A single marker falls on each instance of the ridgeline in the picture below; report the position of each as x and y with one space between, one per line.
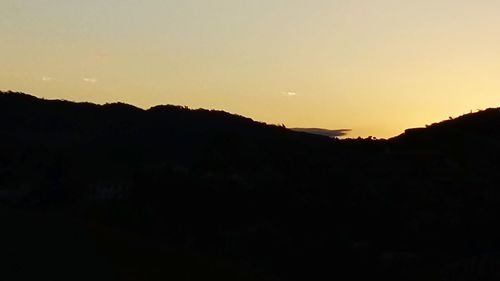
115 192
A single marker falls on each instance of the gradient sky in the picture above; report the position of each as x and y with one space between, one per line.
376 66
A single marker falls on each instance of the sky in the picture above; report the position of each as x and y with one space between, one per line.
374 66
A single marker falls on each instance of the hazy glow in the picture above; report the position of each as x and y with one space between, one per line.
376 66
90 80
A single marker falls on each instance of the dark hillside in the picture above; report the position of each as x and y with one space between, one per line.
203 194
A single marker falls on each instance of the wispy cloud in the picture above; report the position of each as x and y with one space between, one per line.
323 132
102 54
291 94
46 79
90 80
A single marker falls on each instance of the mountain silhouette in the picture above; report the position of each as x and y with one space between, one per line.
115 192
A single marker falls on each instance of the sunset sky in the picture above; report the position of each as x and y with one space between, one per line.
374 66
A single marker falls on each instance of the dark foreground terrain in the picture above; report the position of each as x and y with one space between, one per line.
113 192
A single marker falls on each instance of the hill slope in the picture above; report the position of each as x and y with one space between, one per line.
248 198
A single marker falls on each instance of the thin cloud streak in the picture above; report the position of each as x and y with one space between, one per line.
90 80
323 132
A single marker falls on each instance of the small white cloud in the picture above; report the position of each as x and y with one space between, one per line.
46 79
291 94
90 80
